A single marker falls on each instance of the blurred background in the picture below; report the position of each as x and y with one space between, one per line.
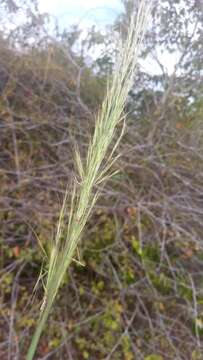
140 293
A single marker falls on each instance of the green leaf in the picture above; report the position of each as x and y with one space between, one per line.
153 357
136 246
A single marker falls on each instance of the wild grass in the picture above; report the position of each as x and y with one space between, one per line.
94 170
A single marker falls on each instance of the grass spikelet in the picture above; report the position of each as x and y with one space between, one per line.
94 170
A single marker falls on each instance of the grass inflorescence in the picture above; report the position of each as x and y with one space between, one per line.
94 170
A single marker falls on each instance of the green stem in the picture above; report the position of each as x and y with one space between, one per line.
37 334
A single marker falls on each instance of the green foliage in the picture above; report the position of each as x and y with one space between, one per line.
161 282
136 246
154 357
196 355
126 347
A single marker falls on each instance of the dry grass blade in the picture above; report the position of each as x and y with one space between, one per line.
95 170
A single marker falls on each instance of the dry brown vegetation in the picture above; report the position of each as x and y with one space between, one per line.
140 294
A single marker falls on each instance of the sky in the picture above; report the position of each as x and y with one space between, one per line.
86 13
82 12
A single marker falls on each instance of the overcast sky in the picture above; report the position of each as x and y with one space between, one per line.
85 13
82 12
